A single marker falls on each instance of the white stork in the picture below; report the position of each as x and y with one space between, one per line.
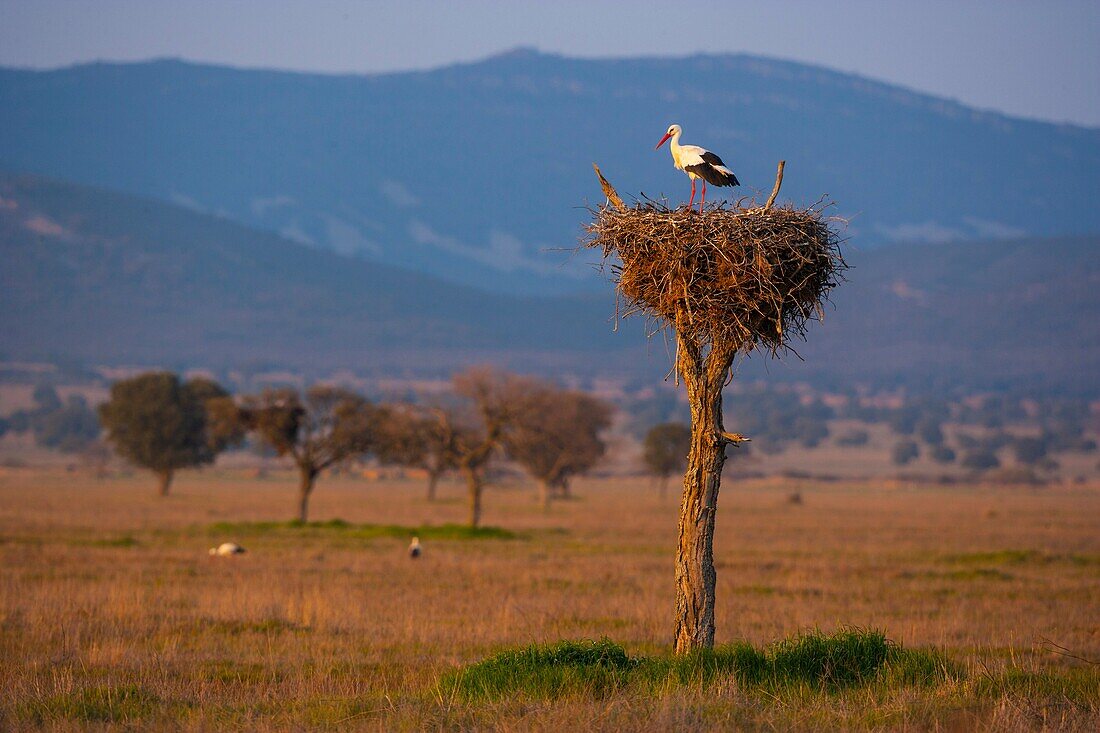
227 549
414 548
698 163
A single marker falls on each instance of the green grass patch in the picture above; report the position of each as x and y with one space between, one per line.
978 574
340 528
122 541
814 660
589 668
123 704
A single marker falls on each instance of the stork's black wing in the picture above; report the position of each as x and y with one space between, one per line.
712 175
711 158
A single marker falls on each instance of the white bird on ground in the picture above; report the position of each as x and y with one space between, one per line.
414 548
227 549
698 163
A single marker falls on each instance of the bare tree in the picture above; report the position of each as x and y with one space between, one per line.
555 435
318 430
495 399
417 438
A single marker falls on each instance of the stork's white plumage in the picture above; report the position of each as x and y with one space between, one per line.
698 163
414 548
227 549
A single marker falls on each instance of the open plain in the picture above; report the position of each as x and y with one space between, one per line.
113 615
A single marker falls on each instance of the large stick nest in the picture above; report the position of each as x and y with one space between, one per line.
739 278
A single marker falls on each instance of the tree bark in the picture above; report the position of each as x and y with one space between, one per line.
164 481
306 478
473 490
433 481
704 378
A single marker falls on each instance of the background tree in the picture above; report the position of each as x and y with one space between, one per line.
942 454
665 451
46 398
68 428
904 452
416 438
156 422
1029 451
556 436
853 438
317 430
224 425
930 431
494 400
980 459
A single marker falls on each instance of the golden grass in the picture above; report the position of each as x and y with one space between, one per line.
111 613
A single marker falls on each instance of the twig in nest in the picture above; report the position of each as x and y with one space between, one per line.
778 183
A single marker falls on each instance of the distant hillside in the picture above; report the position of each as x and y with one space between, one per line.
475 173
94 276
1022 313
91 275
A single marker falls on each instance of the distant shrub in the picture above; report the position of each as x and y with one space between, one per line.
980 459
904 420
853 438
942 454
1029 451
810 430
967 441
930 432
69 428
904 452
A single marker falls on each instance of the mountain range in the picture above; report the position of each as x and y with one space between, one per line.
99 277
479 174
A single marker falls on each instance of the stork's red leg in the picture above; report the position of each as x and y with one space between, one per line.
692 199
703 200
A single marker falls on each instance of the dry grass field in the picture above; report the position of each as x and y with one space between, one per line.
112 615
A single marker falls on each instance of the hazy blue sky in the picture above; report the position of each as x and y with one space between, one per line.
1038 59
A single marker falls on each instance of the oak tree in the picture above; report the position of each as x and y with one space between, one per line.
157 422
556 435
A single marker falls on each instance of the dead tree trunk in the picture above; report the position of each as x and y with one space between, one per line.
164 481
307 476
704 376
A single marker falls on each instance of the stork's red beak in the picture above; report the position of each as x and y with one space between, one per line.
666 137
